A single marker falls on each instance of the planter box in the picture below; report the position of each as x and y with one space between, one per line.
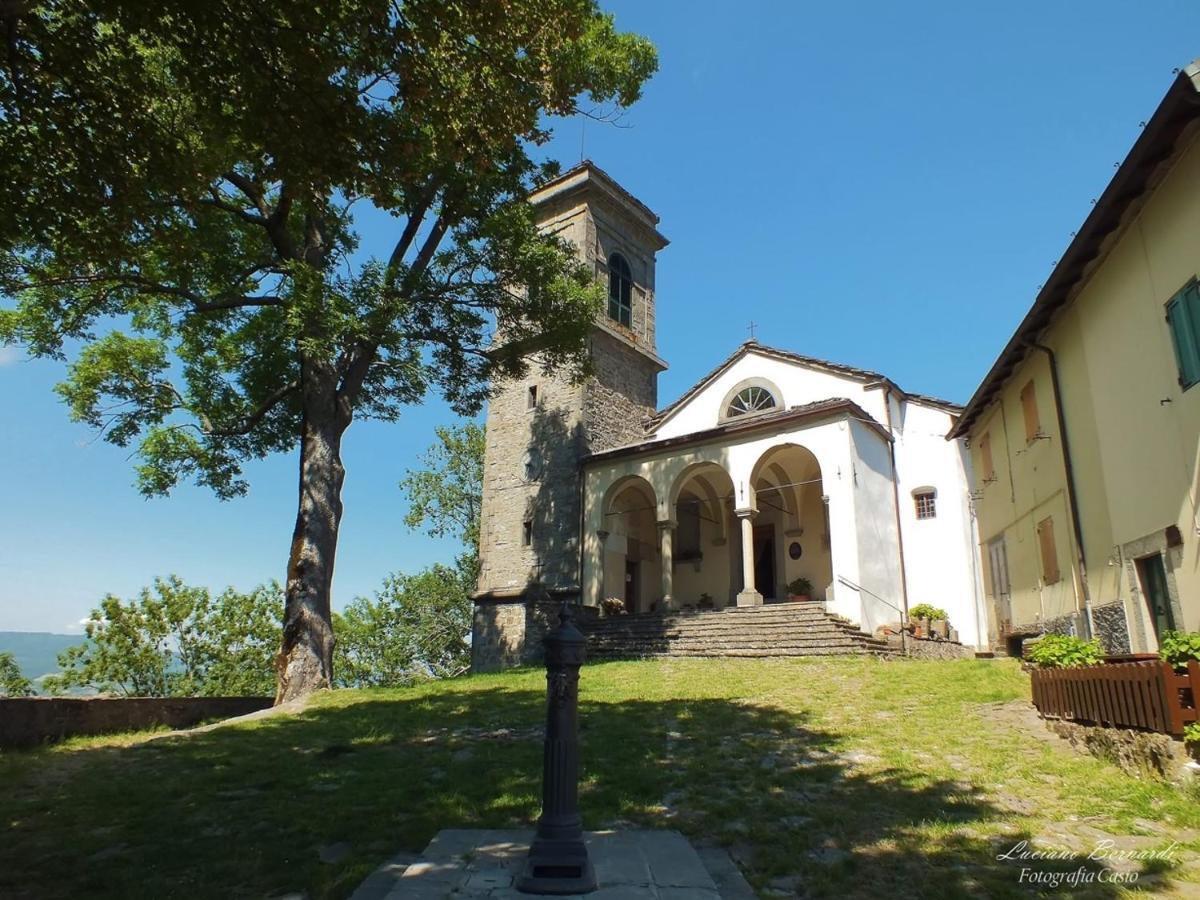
1140 694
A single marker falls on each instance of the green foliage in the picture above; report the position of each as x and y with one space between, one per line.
12 682
927 611
415 628
177 189
446 495
174 640
800 586
1191 734
1179 647
1065 651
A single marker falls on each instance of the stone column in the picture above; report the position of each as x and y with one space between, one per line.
748 596
603 536
666 542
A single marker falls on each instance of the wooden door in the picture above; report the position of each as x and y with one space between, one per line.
1153 575
1001 592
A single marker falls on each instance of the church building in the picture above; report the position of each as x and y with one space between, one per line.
776 469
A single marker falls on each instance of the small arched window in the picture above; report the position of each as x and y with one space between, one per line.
620 290
750 400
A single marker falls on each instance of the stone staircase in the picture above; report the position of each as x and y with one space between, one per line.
775 629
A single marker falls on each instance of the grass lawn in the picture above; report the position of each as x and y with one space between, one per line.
838 777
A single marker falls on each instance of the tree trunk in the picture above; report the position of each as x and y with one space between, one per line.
305 661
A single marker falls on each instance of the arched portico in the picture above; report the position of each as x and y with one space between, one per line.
789 525
629 547
800 481
701 501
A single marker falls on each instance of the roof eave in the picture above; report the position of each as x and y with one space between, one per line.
1157 142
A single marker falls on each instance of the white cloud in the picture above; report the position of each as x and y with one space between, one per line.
9 356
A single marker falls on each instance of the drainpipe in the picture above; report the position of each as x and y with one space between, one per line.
887 409
1077 528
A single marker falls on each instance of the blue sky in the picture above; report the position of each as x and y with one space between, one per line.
877 184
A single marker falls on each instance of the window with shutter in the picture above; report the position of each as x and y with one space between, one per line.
1045 532
1183 317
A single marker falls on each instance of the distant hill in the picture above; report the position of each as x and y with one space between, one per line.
37 652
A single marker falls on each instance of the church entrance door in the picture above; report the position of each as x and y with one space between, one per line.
764 560
631 586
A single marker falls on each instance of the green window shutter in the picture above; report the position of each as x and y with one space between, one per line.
1183 316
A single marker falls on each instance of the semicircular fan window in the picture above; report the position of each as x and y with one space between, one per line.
750 400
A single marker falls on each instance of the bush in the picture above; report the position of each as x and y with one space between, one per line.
927 611
800 587
1178 647
613 606
1191 734
174 640
1065 651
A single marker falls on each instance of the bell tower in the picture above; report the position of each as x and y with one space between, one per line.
540 427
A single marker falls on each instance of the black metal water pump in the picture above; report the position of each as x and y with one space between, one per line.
558 859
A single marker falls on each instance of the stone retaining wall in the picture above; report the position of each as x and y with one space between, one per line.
1137 753
30 721
928 648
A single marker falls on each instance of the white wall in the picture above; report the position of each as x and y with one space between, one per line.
939 553
799 385
941 562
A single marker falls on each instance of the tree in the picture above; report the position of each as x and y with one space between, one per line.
416 627
417 624
445 496
174 640
12 682
178 190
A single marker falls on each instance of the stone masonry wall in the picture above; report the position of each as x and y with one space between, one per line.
506 634
1112 627
620 396
29 721
531 472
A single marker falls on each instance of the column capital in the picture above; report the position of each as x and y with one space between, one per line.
746 512
667 523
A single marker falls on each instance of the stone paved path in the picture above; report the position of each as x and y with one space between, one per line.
635 864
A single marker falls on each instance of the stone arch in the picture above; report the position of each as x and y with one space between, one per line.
712 484
787 490
630 560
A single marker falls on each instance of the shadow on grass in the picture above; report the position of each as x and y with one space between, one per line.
246 811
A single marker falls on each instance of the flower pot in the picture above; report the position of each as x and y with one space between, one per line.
799 598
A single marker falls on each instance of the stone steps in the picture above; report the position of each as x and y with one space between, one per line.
778 630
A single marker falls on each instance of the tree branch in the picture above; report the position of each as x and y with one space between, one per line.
272 400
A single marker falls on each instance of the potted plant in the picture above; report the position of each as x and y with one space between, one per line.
613 606
706 602
929 620
800 589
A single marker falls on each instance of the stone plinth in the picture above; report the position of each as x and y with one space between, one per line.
637 865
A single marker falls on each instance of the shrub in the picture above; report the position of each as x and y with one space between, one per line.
1191 734
1065 651
1178 647
927 611
613 606
800 586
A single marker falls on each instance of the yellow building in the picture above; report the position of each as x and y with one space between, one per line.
1085 433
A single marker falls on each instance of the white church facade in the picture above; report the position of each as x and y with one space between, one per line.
775 471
